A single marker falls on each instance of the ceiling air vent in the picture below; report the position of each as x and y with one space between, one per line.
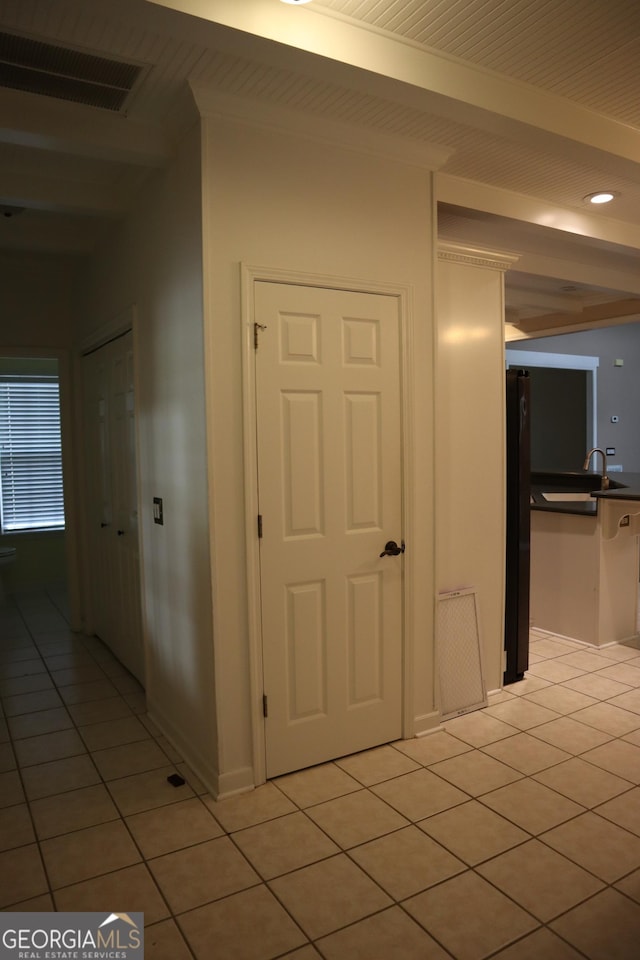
64 73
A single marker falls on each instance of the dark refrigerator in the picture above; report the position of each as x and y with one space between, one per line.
518 457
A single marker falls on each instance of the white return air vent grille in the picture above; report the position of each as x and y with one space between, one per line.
458 644
53 71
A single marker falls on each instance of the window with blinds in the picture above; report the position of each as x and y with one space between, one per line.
31 492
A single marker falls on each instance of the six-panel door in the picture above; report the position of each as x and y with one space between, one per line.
330 481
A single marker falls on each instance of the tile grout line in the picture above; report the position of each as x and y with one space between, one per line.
120 816
362 787
102 781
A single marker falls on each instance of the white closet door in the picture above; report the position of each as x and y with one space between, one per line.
329 475
112 501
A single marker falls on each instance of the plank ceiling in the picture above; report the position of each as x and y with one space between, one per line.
72 168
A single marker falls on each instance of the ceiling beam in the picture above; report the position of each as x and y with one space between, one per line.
49 124
60 196
528 297
429 80
590 273
589 316
41 232
543 213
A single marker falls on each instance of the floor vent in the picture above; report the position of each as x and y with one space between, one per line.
65 73
458 649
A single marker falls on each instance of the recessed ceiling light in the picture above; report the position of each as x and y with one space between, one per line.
602 196
296 1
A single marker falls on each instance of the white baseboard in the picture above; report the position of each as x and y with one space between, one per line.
427 723
218 785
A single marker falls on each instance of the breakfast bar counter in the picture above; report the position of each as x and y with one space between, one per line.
584 558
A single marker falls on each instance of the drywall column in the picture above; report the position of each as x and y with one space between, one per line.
470 421
153 259
307 206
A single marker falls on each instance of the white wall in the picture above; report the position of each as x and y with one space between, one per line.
154 261
618 386
295 204
288 202
470 438
37 299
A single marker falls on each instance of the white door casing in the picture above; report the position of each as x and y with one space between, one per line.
329 473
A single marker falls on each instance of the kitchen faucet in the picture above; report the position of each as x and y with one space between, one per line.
585 466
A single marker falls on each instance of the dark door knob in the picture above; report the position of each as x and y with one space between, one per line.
391 549
121 533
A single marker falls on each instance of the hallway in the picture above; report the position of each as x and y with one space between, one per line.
513 833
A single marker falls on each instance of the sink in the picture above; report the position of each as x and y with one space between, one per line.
567 497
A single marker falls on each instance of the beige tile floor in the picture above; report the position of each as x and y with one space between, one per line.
512 833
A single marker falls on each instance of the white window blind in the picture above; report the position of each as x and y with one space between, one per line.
31 492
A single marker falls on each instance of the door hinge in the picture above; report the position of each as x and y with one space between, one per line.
265 708
259 526
256 328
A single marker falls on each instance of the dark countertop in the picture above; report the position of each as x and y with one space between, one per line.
627 487
629 491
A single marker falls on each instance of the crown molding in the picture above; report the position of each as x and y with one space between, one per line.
213 104
476 256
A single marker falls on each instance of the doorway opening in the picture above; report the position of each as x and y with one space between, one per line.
563 407
550 427
32 491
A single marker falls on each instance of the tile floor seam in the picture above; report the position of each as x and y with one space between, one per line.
362 787
537 921
400 902
585 809
430 933
38 840
362 842
142 861
227 896
560 762
567 856
582 723
184 938
597 766
123 818
401 905
543 926
345 926
347 852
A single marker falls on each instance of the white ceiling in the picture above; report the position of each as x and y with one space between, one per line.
562 46
534 101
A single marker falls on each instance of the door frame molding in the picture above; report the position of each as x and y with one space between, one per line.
250 275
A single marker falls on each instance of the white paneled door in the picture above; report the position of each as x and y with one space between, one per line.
329 450
112 503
